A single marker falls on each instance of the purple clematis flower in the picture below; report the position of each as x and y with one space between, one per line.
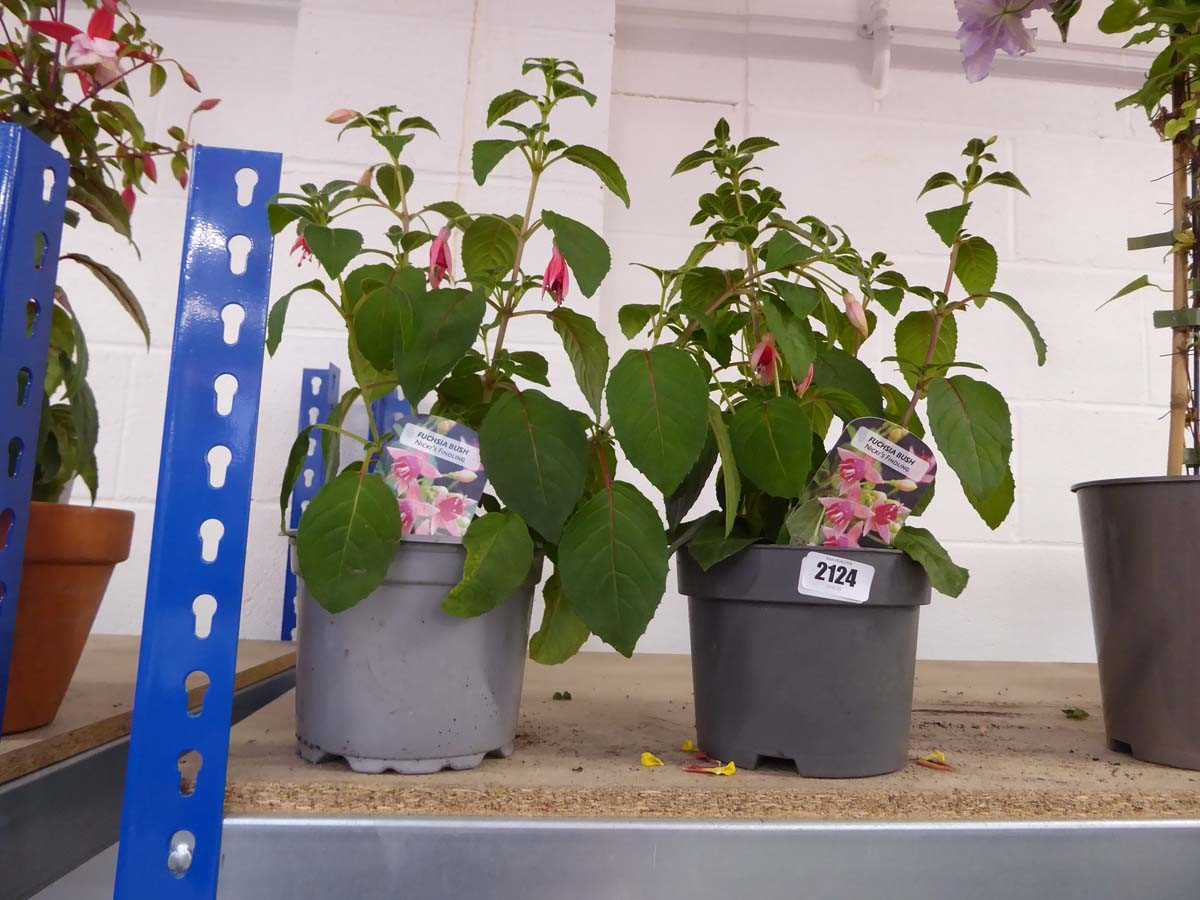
991 25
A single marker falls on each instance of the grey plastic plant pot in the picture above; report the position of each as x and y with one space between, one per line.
779 674
1141 544
395 683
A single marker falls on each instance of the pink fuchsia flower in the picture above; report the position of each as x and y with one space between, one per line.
92 53
991 25
408 469
439 257
856 314
447 510
301 245
842 511
803 386
340 116
885 520
764 359
557 280
835 537
854 468
128 199
414 515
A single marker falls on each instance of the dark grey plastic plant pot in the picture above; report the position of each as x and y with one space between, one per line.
396 683
824 684
1141 543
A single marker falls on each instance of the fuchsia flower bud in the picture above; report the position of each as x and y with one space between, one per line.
150 167
557 280
128 198
340 116
803 386
439 257
856 314
764 359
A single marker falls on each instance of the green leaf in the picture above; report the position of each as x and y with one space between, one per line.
280 215
562 632
587 350
783 250
684 497
794 337
536 455
756 145
505 103
1121 15
388 179
1062 12
731 480
772 441
657 401
489 250
838 369
970 422
1039 343
1006 179
330 445
994 507
613 562
1142 281
937 180
377 316
585 251
603 165
443 326
700 288
975 265
633 317
486 155
333 247
693 160
948 222
800 298
291 471
279 313
158 78
102 202
87 429
710 544
499 559
118 288
347 538
913 333
923 548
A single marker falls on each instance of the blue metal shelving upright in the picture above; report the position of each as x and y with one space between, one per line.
175 779
33 193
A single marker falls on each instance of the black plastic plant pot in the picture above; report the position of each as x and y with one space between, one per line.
1141 544
805 655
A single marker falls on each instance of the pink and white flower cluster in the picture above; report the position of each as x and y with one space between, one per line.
861 505
426 507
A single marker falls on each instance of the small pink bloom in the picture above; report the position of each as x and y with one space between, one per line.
340 116
885 519
99 55
301 244
833 537
150 167
802 387
439 257
408 469
764 359
128 198
855 313
206 105
842 511
447 511
557 280
855 468
412 513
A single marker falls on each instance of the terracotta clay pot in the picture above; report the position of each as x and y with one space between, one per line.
70 553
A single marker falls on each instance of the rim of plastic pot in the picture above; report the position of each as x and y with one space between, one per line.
1137 479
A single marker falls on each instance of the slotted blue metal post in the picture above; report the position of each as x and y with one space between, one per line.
31 222
171 830
389 409
319 391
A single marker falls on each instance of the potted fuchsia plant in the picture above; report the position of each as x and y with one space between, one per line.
805 585
1139 534
435 633
73 86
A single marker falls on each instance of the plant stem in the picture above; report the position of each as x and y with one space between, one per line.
1179 337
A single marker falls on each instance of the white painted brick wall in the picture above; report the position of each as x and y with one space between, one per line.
793 71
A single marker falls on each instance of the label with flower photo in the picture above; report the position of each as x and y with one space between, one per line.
434 468
877 473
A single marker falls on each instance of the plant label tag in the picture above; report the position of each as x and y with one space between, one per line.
433 466
836 578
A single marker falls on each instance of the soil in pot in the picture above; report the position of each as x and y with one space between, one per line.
70 553
1140 545
789 665
396 683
